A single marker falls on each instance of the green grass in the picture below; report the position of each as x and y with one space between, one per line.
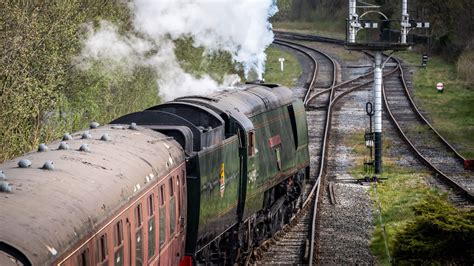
321 28
452 111
419 224
356 142
291 71
194 60
397 196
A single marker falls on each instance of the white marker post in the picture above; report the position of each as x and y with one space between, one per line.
281 63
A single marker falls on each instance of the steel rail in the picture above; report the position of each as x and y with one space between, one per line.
330 110
453 183
391 72
308 37
315 62
315 191
296 46
323 153
417 111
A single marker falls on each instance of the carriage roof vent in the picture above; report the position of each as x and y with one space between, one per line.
84 148
24 163
63 146
86 135
42 148
133 126
94 125
2 176
5 187
67 136
48 165
105 137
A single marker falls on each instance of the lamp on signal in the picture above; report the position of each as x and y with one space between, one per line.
369 139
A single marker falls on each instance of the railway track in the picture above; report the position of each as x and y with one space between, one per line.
294 244
424 140
428 145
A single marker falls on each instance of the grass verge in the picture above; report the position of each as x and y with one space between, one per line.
291 71
321 28
451 111
414 224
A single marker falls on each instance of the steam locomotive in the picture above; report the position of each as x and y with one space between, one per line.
196 180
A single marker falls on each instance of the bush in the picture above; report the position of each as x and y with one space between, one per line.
37 42
43 94
465 67
440 233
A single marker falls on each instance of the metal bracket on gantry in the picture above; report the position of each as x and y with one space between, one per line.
354 22
407 25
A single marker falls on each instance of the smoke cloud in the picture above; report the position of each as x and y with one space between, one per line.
240 28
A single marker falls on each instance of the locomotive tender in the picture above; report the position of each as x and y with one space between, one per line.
200 179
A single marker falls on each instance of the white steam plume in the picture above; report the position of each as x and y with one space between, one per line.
240 28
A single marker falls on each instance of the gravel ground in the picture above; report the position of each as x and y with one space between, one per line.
345 229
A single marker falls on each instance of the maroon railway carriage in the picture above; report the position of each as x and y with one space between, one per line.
122 202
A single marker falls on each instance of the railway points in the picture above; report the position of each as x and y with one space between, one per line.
392 71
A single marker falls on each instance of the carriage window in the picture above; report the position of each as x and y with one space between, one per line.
172 209
162 216
138 215
151 237
118 233
162 195
162 226
251 148
294 128
83 258
139 247
102 248
183 204
179 196
118 257
171 187
151 205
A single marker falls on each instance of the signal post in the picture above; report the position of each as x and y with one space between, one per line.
377 47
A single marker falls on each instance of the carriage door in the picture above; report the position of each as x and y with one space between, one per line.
172 213
129 242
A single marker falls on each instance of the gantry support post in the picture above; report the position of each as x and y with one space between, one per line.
354 24
378 112
405 23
